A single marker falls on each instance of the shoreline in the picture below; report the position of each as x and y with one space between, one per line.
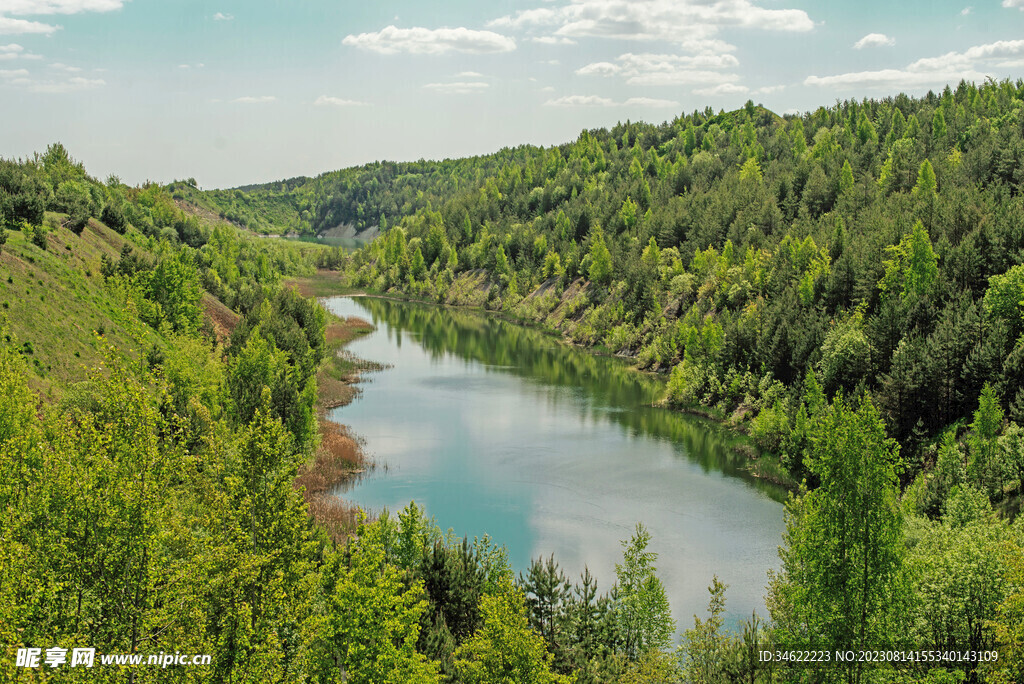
339 455
761 466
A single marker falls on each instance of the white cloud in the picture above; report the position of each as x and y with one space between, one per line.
599 69
22 7
766 90
197 65
892 78
458 88
676 21
469 74
723 89
220 16
547 89
71 85
422 41
974 64
598 101
255 99
1014 3
13 73
10 26
966 10
327 100
649 102
552 40
874 40
998 49
64 67
651 69
580 101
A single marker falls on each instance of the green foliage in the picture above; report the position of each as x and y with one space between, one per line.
926 185
913 267
600 259
373 617
505 649
642 613
843 582
704 646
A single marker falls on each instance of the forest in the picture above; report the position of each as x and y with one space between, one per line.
844 286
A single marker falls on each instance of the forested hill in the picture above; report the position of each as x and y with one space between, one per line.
362 198
875 243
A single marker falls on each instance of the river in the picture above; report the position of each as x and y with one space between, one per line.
499 429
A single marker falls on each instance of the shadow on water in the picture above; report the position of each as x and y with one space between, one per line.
611 390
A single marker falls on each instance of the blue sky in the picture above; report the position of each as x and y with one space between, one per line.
235 92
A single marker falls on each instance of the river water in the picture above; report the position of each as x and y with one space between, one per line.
498 429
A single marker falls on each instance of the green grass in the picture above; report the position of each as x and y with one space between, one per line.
55 303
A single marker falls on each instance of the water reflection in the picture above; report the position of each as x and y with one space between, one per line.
503 430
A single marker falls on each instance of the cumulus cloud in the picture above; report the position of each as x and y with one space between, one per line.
64 67
220 16
469 74
15 8
70 85
649 102
552 40
21 7
10 51
966 59
652 69
966 10
676 21
599 69
457 88
974 64
327 100
255 99
13 73
10 26
598 101
422 41
1014 3
723 89
874 40
580 101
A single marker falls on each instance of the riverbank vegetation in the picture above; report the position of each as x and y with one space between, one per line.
846 285
862 260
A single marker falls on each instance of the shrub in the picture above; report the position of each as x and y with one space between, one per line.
38 236
113 217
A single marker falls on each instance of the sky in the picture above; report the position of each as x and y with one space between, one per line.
234 92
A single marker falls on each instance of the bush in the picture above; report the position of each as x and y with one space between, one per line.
78 220
38 236
113 217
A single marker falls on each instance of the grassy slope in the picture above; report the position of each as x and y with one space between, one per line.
55 302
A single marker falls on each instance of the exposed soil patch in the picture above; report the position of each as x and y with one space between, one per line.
220 316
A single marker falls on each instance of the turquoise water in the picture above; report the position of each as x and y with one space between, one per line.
498 429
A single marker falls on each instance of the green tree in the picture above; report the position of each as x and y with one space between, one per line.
985 466
703 650
913 266
846 178
751 170
505 649
843 583
642 612
600 259
372 623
